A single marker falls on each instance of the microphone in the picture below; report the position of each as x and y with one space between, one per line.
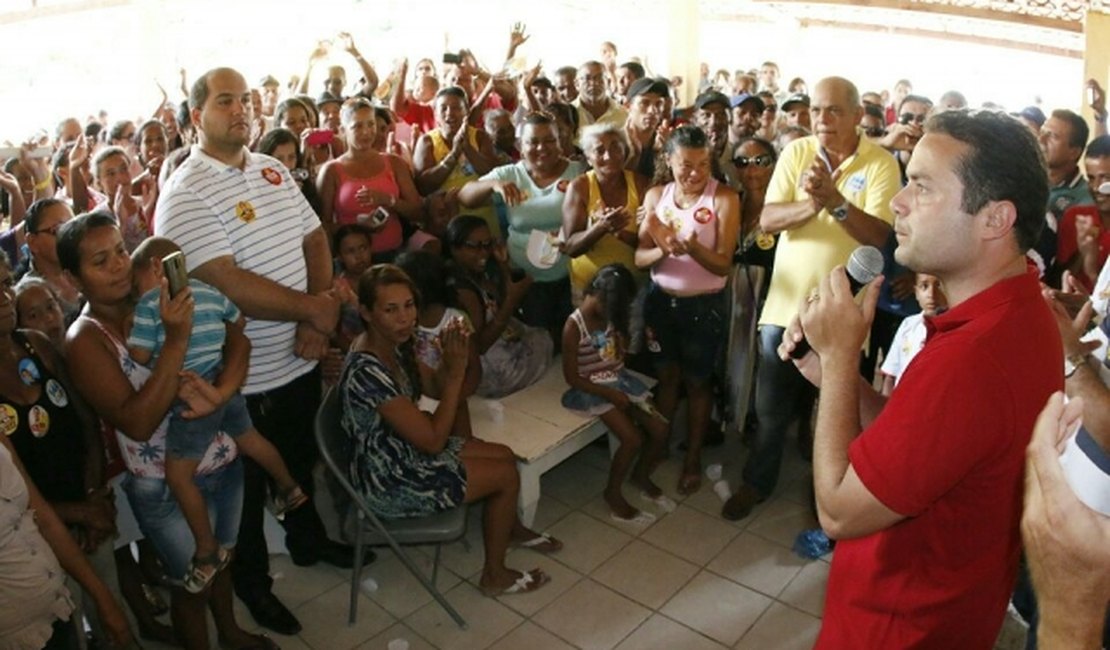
864 265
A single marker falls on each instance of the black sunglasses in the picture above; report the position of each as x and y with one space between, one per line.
762 160
486 244
875 132
916 118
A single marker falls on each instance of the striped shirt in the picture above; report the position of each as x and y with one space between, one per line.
258 216
206 342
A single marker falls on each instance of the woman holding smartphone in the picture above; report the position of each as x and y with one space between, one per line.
367 186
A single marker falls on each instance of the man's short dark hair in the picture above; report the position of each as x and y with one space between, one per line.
198 93
1078 126
1003 163
636 69
117 130
1098 148
453 91
874 111
566 70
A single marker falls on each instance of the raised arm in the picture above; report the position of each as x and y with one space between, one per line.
96 372
368 74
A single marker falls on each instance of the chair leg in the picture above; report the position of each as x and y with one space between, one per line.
356 576
435 564
415 571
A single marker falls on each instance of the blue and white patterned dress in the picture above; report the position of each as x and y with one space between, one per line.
397 479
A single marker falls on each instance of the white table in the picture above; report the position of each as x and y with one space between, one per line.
541 433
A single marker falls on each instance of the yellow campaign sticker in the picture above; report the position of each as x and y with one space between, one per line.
245 211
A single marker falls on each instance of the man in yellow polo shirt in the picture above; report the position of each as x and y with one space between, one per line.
830 193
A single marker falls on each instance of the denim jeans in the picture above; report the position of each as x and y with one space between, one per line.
162 523
782 395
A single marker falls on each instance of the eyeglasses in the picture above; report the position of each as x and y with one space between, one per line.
770 108
762 160
486 244
52 230
916 118
875 132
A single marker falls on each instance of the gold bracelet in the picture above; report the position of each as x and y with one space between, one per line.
43 185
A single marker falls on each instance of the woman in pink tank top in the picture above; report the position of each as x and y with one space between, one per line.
354 186
687 240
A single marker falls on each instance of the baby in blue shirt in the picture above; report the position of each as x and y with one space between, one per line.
187 437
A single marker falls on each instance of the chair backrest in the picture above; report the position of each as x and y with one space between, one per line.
335 448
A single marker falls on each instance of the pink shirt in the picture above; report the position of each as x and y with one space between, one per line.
348 207
682 275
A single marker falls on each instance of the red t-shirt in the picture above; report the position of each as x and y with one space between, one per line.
417 114
948 453
1066 246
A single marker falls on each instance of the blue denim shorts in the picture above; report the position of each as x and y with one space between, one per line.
688 331
162 523
190 438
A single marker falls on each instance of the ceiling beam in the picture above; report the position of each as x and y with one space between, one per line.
983 12
34 11
949 36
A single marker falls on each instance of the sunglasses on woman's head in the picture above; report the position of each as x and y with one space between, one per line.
762 160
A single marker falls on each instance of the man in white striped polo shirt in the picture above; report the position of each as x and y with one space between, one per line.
246 229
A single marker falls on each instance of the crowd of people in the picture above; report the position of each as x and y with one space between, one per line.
449 232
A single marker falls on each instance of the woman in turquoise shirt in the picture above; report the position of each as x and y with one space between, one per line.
532 192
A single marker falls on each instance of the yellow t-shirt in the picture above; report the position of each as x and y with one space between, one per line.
462 174
609 249
869 179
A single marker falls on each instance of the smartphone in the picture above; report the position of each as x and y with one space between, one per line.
319 138
453 58
173 267
378 217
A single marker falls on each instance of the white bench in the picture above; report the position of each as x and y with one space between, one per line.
541 433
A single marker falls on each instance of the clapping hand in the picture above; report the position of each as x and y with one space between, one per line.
454 341
821 186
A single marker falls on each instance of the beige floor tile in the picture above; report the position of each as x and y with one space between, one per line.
587 542
487 620
325 620
562 579
807 591
574 482
757 564
781 521
591 616
294 585
691 535
782 628
718 608
399 592
398 631
531 637
661 633
548 512
645 574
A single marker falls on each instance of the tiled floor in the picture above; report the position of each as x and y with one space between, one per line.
690 581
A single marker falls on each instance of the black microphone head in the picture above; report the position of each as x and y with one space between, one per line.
864 265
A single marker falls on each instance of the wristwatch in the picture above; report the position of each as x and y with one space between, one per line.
1073 362
840 213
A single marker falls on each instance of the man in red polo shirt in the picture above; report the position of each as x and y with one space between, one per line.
926 500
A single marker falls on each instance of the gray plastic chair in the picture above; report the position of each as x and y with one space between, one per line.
361 527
